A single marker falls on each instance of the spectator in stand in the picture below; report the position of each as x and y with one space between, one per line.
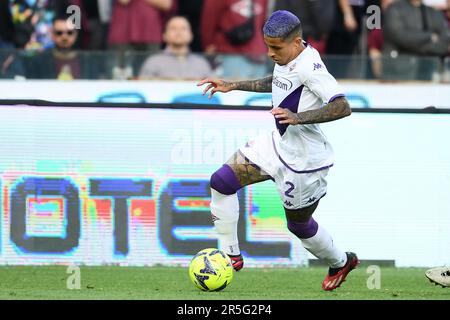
412 29
344 37
233 28
11 66
346 32
192 10
317 17
6 25
177 61
62 62
138 24
375 41
95 17
447 13
32 21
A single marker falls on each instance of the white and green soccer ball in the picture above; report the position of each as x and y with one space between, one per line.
211 270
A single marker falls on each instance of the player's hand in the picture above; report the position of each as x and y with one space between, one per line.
215 85
285 116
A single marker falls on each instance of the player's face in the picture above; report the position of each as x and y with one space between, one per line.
282 51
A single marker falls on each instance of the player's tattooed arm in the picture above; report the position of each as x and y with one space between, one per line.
260 85
337 109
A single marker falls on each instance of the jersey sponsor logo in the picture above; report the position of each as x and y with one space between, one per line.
282 83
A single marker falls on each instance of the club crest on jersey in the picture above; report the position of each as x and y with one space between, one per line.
282 83
317 66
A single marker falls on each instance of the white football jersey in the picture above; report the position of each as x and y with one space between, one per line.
301 85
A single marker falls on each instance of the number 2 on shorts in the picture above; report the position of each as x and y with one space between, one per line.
289 190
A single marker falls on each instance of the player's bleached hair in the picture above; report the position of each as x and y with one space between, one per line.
283 24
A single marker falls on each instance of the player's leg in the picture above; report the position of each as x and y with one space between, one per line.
439 276
238 172
319 242
301 193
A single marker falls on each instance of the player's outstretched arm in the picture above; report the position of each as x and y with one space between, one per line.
337 109
216 85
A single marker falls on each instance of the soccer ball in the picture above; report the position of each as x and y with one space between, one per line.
211 270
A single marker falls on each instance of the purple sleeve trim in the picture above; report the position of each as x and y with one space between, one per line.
336 96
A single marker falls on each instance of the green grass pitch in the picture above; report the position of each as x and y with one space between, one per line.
161 283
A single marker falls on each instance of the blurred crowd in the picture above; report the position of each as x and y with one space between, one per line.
191 39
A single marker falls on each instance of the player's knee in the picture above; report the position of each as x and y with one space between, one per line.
303 230
225 181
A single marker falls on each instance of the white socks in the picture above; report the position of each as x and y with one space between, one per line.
225 211
322 246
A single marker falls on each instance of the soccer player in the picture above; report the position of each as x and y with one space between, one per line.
439 275
296 156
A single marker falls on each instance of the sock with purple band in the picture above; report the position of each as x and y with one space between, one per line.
319 242
225 208
225 181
